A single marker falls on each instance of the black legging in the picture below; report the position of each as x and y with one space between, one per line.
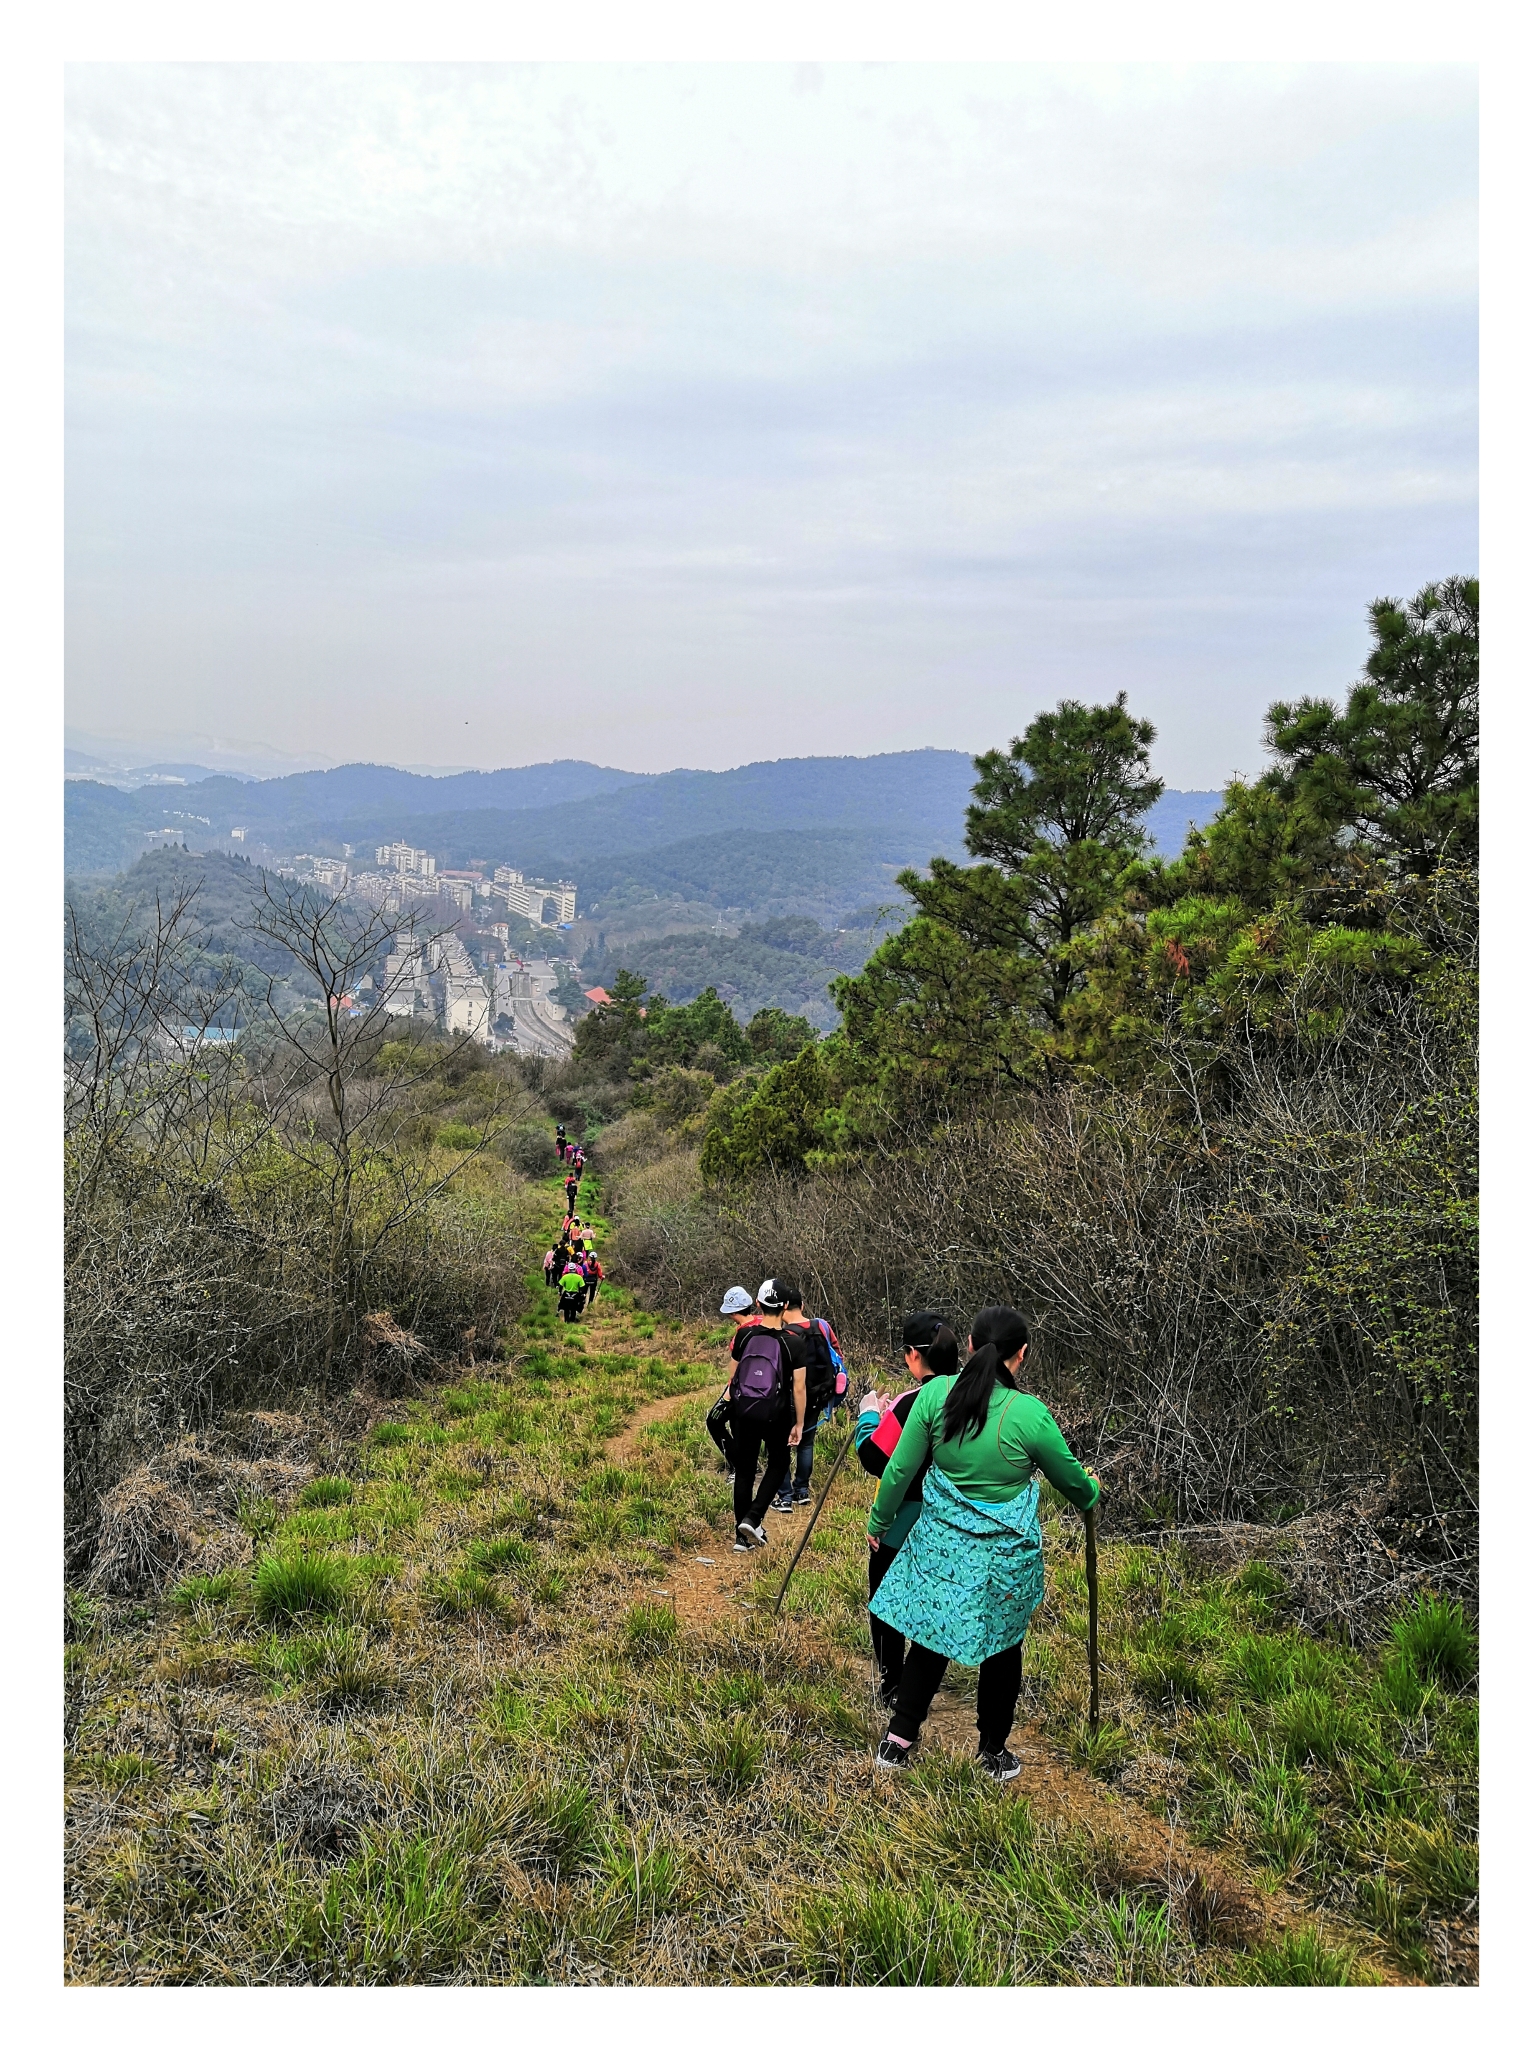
996 1699
750 1438
889 1643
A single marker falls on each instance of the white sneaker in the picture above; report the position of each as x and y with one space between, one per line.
751 1533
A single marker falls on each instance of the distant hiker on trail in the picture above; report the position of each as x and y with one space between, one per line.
767 1408
932 1351
554 1259
578 1162
738 1306
594 1274
559 1141
823 1372
572 1292
970 1573
571 1185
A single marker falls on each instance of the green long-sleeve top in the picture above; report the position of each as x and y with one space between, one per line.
1019 1433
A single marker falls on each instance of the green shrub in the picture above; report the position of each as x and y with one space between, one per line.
387 1433
459 1137
502 1554
466 1592
328 1491
1304 1958
301 1584
1313 1727
1435 1642
202 1590
559 1825
650 1630
732 1755
1262 1667
915 1935
1170 1678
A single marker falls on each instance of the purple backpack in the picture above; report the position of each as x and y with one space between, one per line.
758 1386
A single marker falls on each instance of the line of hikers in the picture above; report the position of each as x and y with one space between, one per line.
956 1565
573 1159
572 1268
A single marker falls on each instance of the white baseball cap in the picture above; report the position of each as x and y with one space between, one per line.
736 1302
769 1297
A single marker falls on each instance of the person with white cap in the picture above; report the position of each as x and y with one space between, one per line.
767 1408
740 1308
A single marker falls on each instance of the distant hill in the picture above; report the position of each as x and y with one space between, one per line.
783 963
803 836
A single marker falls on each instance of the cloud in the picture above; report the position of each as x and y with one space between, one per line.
885 400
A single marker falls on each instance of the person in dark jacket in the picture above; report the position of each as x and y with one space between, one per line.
932 1350
777 1435
795 1491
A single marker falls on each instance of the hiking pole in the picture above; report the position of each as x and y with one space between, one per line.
815 1511
1091 1521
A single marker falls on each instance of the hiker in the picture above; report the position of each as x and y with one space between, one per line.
737 1305
594 1274
571 1185
559 1141
554 1259
767 1408
572 1292
823 1370
578 1163
970 1573
931 1351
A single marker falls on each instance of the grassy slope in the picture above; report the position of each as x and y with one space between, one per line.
503 1757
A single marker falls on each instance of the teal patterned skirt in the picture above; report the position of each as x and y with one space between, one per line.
969 1576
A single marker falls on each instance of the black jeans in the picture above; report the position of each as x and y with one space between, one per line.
1001 1681
750 1438
889 1643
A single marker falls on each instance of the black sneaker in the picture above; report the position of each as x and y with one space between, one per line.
802 1500
740 1542
747 1534
892 1755
1000 1764
783 1504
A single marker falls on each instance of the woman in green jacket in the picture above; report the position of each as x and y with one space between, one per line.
969 1576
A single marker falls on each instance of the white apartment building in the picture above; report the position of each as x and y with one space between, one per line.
465 999
329 874
406 860
460 894
528 898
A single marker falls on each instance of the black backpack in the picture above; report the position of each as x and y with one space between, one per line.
820 1369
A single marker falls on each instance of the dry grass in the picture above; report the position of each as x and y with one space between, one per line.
505 1760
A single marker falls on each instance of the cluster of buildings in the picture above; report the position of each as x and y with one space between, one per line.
459 1000
407 874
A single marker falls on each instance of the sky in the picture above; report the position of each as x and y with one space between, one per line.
681 416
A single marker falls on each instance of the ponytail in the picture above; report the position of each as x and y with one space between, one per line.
998 1334
940 1354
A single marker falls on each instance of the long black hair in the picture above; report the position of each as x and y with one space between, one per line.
997 1333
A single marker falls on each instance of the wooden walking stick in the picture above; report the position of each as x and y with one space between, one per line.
815 1511
1091 1519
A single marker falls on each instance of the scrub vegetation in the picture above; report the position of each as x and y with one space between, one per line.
446 1724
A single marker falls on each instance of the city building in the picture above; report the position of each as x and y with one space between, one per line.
533 899
458 893
329 874
237 831
406 860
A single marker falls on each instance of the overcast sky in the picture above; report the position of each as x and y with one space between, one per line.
683 416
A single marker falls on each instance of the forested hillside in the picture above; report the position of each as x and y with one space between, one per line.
1211 1119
